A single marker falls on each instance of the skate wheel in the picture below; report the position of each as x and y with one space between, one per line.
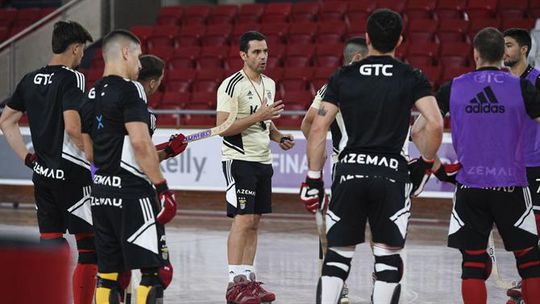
344 301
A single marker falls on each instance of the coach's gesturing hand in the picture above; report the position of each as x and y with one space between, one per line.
167 201
447 172
268 112
419 173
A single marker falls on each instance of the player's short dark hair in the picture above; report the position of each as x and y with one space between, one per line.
120 33
521 36
151 67
489 43
247 37
66 33
384 28
354 45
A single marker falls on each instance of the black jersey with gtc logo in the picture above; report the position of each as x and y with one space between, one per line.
112 102
44 95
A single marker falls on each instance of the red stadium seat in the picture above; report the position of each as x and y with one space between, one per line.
154 100
211 57
320 77
209 99
240 29
276 53
298 55
198 120
328 55
481 23
4 33
189 35
332 11
207 80
357 29
233 63
170 15
331 32
173 100
296 79
455 54
304 11
359 10
512 9
421 30
142 31
179 80
184 57
481 9
421 54
419 9
250 13
222 14
275 32
26 15
301 32
276 12
159 41
397 6
525 23
216 35
167 120
164 53
453 30
302 97
534 9
291 121
275 74
7 16
450 9
93 74
196 14
401 50
433 74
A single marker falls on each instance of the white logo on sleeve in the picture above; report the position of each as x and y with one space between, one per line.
376 69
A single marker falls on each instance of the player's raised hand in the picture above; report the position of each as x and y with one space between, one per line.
167 203
447 172
286 142
419 173
267 112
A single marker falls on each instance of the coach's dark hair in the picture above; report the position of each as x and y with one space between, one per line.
249 36
151 67
489 43
521 36
121 33
66 33
384 28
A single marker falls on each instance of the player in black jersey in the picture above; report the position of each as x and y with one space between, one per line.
371 182
128 219
51 97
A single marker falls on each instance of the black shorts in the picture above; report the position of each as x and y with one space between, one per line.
533 177
476 210
355 200
249 187
64 203
127 234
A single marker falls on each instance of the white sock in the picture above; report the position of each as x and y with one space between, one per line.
331 289
234 270
383 292
247 269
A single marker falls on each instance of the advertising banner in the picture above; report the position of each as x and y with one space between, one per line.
199 167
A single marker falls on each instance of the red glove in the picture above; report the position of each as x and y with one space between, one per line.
166 275
419 173
30 160
168 203
174 146
312 195
447 172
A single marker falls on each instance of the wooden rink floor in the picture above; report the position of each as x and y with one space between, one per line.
287 259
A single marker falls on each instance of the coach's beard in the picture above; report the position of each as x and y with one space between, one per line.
510 63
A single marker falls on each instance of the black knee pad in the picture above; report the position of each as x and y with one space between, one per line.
475 266
528 263
150 277
87 250
332 263
389 276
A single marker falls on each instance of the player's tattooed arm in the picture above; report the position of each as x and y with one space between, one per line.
322 111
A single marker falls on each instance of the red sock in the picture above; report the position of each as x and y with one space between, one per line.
530 288
473 291
84 283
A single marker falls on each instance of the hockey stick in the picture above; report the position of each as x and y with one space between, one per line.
503 284
217 130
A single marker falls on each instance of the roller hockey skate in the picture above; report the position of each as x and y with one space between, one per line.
266 297
515 295
344 299
240 292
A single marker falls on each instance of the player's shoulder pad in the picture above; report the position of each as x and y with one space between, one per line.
79 77
231 82
136 86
